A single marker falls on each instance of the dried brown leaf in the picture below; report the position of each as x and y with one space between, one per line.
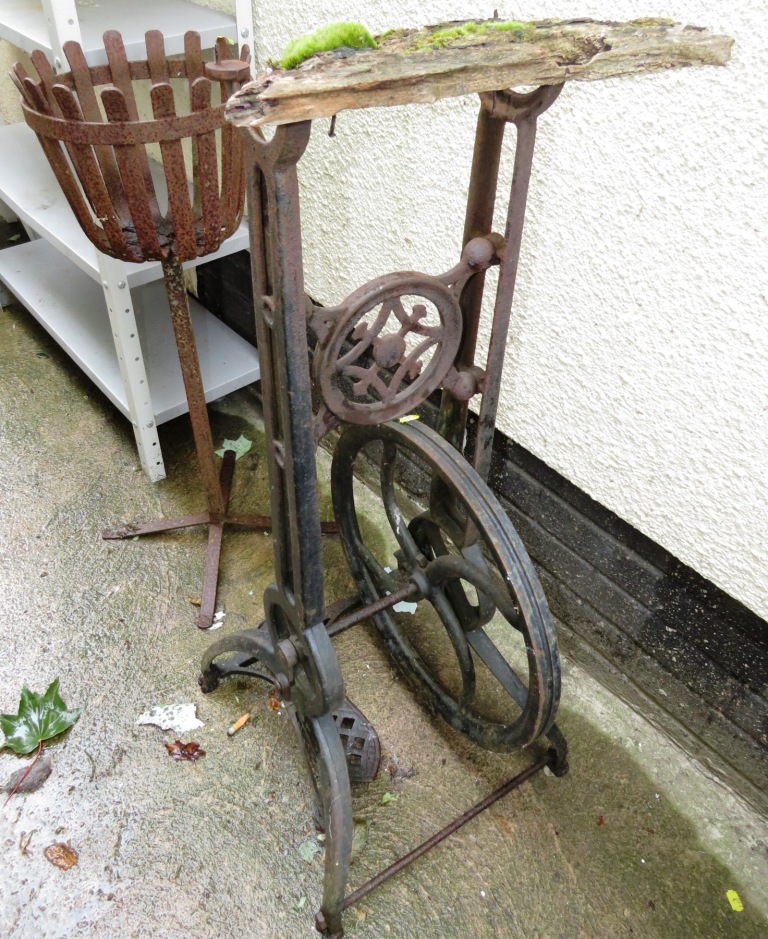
184 751
35 777
61 855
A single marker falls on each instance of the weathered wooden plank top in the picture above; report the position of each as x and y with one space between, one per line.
411 66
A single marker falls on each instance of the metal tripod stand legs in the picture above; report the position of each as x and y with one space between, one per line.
217 486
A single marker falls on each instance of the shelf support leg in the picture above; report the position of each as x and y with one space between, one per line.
114 280
63 26
244 26
6 212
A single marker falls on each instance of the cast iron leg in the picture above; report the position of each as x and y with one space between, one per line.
497 109
294 605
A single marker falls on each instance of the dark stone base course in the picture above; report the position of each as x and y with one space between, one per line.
673 645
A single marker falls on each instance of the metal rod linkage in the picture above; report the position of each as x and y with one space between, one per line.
371 609
437 838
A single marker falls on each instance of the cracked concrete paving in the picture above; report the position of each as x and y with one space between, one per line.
213 849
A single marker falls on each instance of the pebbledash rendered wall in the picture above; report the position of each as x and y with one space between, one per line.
638 366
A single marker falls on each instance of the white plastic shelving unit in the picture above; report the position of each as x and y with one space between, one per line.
24 23
111 317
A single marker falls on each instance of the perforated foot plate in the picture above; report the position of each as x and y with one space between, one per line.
360 742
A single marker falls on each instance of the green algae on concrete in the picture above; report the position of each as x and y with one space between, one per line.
175 851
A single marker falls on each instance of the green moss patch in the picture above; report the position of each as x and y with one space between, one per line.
441 38
325 39
651 21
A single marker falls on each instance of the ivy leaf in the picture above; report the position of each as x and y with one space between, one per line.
307 850
40 717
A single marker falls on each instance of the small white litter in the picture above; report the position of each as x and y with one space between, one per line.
404 606
218 620
180 718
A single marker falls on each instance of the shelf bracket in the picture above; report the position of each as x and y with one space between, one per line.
114 280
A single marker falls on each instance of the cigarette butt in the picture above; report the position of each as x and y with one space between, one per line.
240 722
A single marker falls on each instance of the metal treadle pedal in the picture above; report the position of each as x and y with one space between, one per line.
360 741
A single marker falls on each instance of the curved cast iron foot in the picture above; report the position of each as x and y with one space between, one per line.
241 652
326 763
245 649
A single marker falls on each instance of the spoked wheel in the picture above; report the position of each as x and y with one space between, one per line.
481 645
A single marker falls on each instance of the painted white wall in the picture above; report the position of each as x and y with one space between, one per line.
638 360
638 363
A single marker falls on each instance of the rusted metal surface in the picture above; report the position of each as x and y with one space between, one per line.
378 355
111 191
523 111
398 866
381 352
407 592
113 196
362 748
467 575
193 386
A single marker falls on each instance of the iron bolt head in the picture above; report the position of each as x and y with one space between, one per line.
121 284
57 62
244 33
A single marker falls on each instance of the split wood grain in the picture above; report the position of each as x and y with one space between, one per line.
550 53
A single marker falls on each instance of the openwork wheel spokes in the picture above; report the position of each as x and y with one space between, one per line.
481 645
470 565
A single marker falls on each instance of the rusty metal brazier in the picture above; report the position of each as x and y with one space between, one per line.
105 170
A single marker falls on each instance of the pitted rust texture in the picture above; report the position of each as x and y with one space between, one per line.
367 370
111 191
113 196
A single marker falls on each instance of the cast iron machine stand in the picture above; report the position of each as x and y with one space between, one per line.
104 169
481 648
379 355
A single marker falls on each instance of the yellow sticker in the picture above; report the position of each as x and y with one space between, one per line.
409 417
735 900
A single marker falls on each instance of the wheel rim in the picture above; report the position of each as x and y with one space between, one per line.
478 586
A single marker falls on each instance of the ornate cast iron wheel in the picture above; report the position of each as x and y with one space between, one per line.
481 645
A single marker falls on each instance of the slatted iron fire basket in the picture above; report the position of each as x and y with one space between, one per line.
88 123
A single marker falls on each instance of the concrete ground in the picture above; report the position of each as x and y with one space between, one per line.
637 841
